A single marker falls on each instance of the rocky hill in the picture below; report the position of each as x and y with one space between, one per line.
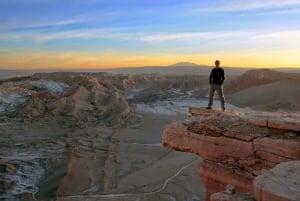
259 77
75 95
240 149
265 90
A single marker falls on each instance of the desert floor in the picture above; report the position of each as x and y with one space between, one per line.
96 163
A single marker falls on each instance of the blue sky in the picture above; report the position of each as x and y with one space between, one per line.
102 33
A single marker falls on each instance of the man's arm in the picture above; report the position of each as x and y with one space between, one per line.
222 76
211 76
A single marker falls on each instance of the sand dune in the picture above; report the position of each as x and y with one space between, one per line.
265 89
258 77
280 95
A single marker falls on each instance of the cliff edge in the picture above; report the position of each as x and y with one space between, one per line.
239 147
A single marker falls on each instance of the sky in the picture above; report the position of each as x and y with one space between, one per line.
91 34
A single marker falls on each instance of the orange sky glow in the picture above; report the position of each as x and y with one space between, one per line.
136 33
72 60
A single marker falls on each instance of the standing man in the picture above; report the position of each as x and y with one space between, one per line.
216 80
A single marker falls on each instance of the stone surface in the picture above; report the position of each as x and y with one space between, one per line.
277 150
218 149
236 146
281 183
234 142
277 120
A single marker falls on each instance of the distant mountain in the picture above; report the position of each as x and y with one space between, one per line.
180 68
4 74
183 64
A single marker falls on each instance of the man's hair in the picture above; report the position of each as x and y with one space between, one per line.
217 61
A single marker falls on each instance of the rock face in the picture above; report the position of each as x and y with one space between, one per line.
236 146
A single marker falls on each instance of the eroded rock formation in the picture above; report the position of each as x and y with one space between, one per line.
236 146
85 97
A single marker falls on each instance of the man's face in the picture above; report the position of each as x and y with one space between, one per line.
217 63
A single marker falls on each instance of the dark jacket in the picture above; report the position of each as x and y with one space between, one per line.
217 76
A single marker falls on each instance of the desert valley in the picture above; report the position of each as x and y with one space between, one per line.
106 135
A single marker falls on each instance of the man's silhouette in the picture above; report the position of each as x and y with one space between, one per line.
216 80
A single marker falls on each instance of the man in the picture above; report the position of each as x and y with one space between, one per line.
216 80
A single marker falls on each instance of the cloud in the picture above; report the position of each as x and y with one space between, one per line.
189 42
238 5
192 36
150 37
280 35
239 36
48 24
276 12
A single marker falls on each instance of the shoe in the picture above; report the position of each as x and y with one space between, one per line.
209 108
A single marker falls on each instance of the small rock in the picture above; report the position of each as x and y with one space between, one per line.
230 189
10 169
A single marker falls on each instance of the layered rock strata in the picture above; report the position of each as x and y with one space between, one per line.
236 146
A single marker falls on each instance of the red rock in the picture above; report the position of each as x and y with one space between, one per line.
258 122
204 129
216 176
218 149
237 146
274 150
201 112
285 124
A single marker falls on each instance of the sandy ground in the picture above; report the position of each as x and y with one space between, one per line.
281 95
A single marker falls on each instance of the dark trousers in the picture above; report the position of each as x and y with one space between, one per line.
220 91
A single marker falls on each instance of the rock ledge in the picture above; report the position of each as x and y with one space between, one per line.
238 146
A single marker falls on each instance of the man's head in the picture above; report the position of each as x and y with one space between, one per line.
217 63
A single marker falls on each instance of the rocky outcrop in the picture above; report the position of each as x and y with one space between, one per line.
236 146
84 97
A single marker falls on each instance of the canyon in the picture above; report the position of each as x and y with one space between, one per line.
97 136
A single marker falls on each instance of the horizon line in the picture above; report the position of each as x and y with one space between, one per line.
137 67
